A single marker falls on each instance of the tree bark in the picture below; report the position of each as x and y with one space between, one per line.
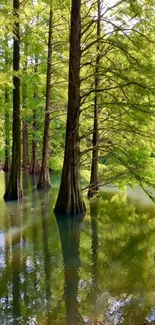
94 187
13 191
44 178
6 167
70 200
34 166
26 159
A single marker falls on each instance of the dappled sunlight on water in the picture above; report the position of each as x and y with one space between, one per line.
92 269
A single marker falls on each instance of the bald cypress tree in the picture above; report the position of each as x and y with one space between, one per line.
70 199
44 177
94 187
13 190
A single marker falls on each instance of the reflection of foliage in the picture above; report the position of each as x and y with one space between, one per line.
113 267
126 267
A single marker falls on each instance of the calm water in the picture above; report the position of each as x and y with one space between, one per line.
94 269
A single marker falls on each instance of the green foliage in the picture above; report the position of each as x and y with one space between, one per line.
56 163
125 91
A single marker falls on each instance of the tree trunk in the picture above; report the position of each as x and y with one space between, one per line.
94 187
7 136
44 178
70 198
26 160
6 122
34 166
13 191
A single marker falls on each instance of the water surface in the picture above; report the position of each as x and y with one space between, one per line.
92 269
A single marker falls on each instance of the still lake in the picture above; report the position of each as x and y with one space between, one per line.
93 269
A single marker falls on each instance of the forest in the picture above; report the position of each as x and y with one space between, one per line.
77 95
77 162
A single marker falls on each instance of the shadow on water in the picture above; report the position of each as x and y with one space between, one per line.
69 229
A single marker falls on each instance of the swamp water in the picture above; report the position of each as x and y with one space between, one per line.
96 269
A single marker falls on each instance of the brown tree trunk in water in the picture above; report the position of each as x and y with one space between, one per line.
70 198
44 178
34 166
13 191
94 187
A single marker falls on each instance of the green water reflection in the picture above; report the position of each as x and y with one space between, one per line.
92 269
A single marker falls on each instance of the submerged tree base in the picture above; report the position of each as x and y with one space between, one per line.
34 168
12 194
72 204
44 180
44 186
6 168
93 191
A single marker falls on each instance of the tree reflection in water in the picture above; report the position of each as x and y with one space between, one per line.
44 199
94 210
74 270
70 228
13 237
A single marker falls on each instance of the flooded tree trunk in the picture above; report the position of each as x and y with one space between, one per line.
44 178
13 191
94 187
70 198
34 165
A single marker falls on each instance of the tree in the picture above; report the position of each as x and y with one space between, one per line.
34 165
6 121
70 198
26 160
13 191
44 177
94 186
